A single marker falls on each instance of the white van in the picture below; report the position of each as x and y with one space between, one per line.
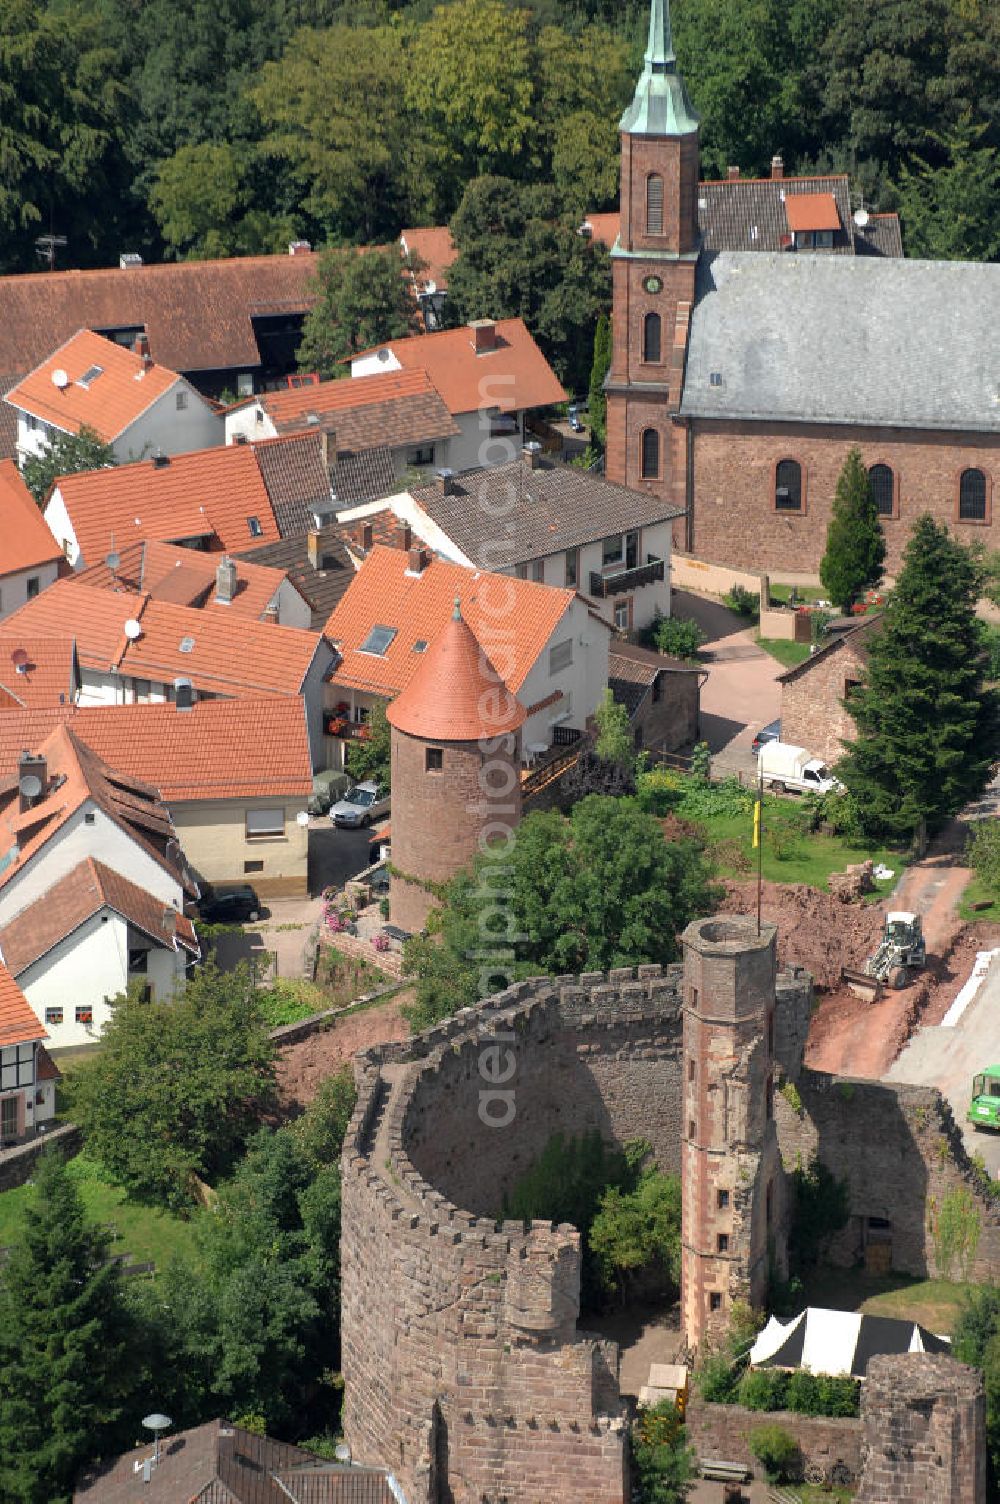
784 768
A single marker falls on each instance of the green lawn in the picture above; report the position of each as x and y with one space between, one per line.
810 858
978 892
803 593
935 1303
787 653
144 1232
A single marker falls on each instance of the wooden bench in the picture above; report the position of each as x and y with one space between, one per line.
724 1472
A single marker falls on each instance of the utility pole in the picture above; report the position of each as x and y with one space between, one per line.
45 247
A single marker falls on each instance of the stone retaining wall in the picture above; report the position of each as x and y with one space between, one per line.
17 1165
723 1432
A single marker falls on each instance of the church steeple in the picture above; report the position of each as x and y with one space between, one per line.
660 106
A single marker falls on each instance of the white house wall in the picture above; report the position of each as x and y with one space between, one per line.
73 843
14 587
584 680
212 833
61 528
293 608
163 427
472 448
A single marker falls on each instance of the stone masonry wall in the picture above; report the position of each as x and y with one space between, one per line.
924 1418
901 1153
734 517
723 1432
812 701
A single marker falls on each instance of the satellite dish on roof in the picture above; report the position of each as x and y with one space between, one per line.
133 629
861 218
382 355
20 659
30 786
113 560
59 378
430 286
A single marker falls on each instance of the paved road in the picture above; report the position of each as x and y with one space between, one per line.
742 693
335 855
949 1058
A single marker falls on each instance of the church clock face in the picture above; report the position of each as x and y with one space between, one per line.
653 284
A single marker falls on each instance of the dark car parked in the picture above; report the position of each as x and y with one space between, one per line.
768 733
233 905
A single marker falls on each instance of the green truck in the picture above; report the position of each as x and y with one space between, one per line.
984 1109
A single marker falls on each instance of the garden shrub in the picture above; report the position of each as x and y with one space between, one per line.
730 855
660 790
703 801
982 852
678 639
763 1389
777 1452
743 601
718 1379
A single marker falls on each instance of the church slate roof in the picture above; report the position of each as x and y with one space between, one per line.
853 340
748 214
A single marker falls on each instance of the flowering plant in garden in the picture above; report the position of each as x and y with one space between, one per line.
380 943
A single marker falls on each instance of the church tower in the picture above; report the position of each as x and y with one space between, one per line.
653 267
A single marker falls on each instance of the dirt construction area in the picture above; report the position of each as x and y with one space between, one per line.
847 1035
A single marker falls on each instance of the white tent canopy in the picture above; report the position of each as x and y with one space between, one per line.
838 1343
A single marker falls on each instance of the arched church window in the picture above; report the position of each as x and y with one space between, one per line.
972 496
654 204
651 337
788 486
882 482
650 454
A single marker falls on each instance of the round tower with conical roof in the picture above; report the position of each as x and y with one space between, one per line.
456 760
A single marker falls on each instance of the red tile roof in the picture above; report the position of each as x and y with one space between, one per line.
207 493
83 891
18 1025
604 227
226 655
25 540
417 607
184 577
435 247
513 376
198 314
108 403
219 749
812 211
47 676
392 407
454 690
94 618
75 775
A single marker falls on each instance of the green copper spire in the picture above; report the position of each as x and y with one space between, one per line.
660 106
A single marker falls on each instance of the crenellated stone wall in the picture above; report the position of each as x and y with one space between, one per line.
924 1419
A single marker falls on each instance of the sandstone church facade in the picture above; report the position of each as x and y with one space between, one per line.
749 357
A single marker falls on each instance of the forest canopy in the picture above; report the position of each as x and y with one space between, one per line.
182 128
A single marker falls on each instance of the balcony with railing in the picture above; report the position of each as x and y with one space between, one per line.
616 580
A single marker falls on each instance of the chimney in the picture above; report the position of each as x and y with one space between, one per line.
419 560
732 174
225 581
366 537
445 481
484 335
271 614
32 779
312 547
328 450
405 535
142 350
777 167
160 461
532 454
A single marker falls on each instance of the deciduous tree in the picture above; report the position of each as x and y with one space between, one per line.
178 1086
598 402
372 757
67 454
364 299
855 544
926 723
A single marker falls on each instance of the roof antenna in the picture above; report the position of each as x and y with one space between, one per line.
113 561
456 615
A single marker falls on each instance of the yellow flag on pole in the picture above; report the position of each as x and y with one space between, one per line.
756 822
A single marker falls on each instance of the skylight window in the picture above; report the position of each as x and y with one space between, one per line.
256 531
90 376
378 641
420 646
186 645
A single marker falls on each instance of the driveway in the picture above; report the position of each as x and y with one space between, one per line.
335 855
949 1058
742 693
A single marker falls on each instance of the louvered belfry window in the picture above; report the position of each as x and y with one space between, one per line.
654 204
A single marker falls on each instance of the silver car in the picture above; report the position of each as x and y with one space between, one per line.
363 804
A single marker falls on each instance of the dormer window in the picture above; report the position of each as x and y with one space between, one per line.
255 529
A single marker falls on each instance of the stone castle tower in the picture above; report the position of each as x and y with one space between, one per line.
732 1188
653 268
456 759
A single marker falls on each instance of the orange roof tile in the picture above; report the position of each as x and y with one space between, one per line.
811 211
108 403
512 376
435 248
512 619
453 690
184 577
18 1025
83 891
75 775
25 540
47 675
94 618
404 401
604 227
207 493
226 655
220 749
